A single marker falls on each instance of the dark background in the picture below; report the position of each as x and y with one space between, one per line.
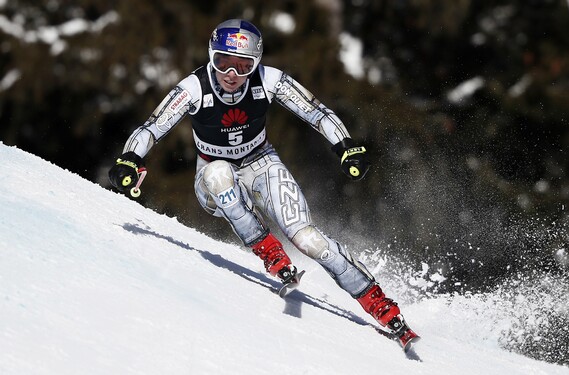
478 187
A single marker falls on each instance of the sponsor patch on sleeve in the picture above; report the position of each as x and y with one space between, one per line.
179 101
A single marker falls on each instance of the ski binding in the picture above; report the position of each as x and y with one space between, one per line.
290 285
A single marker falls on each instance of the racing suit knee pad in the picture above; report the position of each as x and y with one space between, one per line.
219 176
349 274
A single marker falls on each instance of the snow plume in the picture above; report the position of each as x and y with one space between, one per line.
94 283
540 328
527 313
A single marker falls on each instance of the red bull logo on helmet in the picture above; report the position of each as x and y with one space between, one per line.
237 40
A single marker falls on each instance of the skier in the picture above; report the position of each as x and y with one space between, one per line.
238 171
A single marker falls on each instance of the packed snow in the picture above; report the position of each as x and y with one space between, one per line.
94 283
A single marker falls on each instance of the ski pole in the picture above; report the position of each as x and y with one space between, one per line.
135 191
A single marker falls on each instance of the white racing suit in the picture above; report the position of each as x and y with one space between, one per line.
239 174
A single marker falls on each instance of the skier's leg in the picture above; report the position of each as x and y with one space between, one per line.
349 274
286 204
221 193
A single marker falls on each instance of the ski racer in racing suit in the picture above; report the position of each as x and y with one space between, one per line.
239 172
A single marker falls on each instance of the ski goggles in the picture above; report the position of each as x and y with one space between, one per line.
224 62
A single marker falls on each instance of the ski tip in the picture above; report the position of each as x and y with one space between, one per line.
411 343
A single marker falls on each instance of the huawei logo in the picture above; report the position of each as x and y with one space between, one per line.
234 117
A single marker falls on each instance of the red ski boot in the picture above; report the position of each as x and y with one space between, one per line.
277 263
387 314
377 305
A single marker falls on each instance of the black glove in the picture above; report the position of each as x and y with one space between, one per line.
124 174
353 158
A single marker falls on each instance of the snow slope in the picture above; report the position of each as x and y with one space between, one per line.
93 283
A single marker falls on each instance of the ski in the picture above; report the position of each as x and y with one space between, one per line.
291 285
406 340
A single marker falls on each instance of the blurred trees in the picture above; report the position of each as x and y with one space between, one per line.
463 106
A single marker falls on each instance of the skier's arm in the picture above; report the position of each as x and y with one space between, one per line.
297 99
182 99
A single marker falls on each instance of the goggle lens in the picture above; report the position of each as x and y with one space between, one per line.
223 63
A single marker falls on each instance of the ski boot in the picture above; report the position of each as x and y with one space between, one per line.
276 261
386 312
